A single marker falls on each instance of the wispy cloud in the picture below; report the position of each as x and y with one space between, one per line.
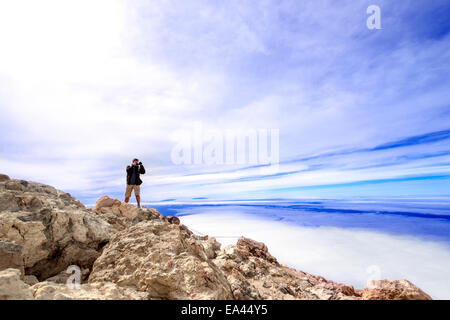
85 87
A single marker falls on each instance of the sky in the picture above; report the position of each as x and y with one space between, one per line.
86 86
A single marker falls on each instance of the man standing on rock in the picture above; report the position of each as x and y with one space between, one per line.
134 181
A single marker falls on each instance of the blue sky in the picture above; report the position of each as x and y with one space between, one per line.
85 86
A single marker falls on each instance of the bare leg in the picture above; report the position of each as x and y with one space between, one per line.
127 199
138 200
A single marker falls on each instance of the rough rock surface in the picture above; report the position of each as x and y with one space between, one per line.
122 215
12 288
129 253
95 291
52 229
30 280
11 256
107 203
174 220
254 273
163 259
393 290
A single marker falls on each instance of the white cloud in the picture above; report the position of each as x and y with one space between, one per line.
344 255
94 84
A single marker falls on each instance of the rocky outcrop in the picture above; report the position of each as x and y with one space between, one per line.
48 229
121 215
125 252
165 260
393 290
254 273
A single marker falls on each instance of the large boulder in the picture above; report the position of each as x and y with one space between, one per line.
165 260
107 203
52 229
393 290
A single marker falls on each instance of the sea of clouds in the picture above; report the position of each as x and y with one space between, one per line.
348 255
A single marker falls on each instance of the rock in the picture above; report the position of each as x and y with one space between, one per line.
106 202
126 252
121 215
254 273
128 210
52 229
393 290
255 248
174 220
11 256
12 288
25 195
162 259
346 290
95 291
211 247
30 280
111 209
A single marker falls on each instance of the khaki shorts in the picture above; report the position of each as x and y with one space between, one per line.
136 188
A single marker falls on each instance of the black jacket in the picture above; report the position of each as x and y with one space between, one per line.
139 170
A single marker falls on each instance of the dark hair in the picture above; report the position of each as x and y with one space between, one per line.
135 159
